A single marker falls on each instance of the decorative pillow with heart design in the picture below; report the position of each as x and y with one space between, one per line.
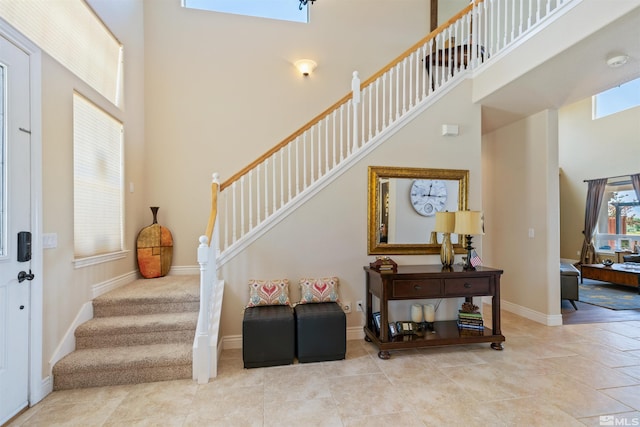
319 290
268 292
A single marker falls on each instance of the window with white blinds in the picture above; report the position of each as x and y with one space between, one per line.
97 180
70 32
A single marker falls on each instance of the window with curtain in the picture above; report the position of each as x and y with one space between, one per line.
97 180
619 219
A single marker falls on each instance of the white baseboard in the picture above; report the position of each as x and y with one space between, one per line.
536 316
45 388
111 284
185 270
68 342
230 342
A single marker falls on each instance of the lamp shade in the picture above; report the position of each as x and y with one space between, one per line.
445 222
468 223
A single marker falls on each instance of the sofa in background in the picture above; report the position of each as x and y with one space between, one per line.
569 283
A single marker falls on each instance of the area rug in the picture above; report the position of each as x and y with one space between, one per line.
609 295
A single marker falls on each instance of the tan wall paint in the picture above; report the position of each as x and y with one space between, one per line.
213 96
222 89
521 193
591 149
327 235
66 289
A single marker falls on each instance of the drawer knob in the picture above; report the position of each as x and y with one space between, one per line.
467 285
417 287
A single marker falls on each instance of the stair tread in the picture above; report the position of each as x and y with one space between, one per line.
115 325
167 289
129 357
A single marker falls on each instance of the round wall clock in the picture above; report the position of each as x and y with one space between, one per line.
428 196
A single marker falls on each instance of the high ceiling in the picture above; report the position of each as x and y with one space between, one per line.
574 73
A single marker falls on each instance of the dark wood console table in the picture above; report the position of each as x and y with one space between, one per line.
431 282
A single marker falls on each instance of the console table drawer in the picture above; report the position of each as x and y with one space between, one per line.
467 287
423 288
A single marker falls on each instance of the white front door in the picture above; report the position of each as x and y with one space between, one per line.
15 217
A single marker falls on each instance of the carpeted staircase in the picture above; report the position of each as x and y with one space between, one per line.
141 332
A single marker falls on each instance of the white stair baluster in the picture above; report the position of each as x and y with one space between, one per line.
298 139
397 67
385 101
334 137
377 106
320 145
233 211
282 168
258 193
250 200
274 186
266 189
363 100
312 160
370 125
242 221
289 170
304 161
341 132
355 89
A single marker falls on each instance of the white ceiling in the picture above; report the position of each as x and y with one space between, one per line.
573 74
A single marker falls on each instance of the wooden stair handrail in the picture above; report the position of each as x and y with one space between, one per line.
214 209
345 98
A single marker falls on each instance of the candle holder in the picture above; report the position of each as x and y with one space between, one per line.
429 316
416 313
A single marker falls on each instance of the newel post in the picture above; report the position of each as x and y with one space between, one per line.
355 88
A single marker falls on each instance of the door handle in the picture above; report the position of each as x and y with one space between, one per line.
23 275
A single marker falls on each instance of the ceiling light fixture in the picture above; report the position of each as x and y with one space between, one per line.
303 3
616 61
305 66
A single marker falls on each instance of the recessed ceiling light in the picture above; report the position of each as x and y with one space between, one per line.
617 61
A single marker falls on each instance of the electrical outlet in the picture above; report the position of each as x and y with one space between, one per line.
346 307
359 306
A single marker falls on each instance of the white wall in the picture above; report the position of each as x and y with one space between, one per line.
521 194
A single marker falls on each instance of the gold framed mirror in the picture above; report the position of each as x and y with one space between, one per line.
402 206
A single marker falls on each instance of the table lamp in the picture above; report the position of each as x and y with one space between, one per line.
468 223
445 222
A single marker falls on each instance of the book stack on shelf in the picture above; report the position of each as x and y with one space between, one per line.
469 320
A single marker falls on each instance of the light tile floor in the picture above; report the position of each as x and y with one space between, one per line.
573 375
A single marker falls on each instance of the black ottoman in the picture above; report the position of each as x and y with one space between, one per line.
268 336
321 332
